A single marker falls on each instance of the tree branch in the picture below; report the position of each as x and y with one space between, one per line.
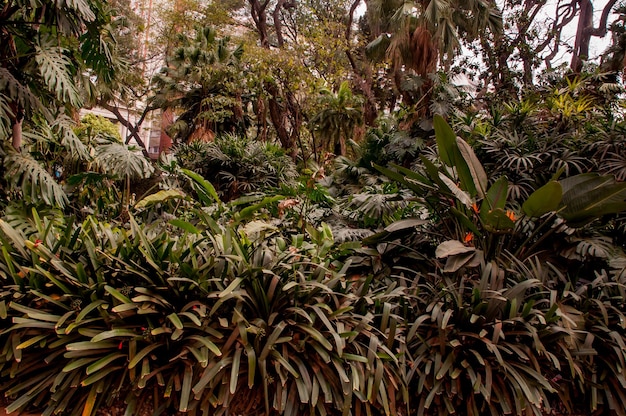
132 129
602 28
278 26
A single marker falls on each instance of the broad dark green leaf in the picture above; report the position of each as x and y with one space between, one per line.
543 200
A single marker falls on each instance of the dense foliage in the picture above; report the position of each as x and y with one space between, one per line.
339 229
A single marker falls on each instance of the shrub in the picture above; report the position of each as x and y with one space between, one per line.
205 320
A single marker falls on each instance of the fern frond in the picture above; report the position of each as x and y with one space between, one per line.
35 182
117 159
54 69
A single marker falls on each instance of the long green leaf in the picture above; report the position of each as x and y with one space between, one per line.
477 172
206 191
543 200
114 333
186 389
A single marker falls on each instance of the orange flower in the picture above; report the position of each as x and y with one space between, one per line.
475 208
511 215
468 237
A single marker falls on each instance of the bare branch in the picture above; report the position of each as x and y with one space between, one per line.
278 26
133 130
602 28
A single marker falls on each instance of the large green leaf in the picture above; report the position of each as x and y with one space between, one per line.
31 177
395 230
498 221
54 67
543 200
115 158
476 169
473 180
64 127
446 142
452 248
496 197
415 184
590 196
160 197
205 189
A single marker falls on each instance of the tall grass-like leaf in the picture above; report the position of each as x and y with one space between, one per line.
206 190
186 388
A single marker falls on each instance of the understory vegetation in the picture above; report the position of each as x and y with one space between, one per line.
450 285
338 228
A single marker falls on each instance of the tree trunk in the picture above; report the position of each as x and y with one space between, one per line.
278 26
363 75
278 116
279 113
583 35
17 135
259 16
586 30
16 126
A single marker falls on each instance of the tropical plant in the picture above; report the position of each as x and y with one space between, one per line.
481 345
49 50
237 165
199 317
415 36
202 80
49 149
341 113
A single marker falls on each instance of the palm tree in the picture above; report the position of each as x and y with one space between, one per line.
202 78
341 113
417 36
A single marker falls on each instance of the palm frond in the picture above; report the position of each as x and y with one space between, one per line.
36 183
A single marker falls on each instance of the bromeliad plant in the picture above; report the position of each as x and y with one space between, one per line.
206 320
484 346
